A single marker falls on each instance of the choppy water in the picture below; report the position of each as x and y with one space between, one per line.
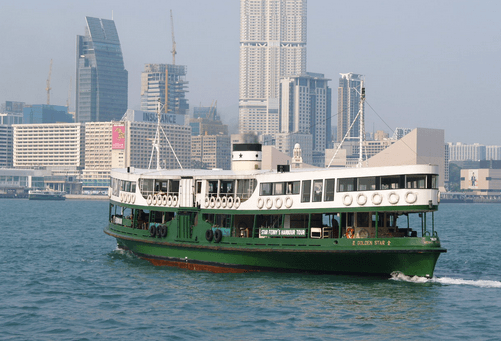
62 278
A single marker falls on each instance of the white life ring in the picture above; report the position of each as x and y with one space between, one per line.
169 200
237 202
212 201
149 199
206 201
278 202
121 196
223 202
410 197
347 200
269 203
361 199
218 202
288 202
174 200
260 203
230 202
159 199
133 198
154 200
377 199
393 198
127 197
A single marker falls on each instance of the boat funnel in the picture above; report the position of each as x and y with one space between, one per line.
246 156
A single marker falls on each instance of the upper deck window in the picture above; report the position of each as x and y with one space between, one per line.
329 189
367 184
392 182
317 190
278 188
266 188
347 185
293 187
416 181
306 191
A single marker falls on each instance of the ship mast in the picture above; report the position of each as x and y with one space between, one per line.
361 125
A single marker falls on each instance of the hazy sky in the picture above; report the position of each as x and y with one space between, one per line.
427 63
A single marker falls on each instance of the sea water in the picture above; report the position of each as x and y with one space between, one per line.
62 278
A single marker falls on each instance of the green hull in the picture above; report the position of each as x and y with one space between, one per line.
377 256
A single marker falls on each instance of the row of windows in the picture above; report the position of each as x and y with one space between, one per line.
318 190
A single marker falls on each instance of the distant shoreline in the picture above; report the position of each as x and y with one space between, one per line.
86 197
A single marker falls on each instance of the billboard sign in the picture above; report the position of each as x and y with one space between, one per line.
118 137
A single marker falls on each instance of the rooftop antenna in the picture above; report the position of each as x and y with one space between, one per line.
173 39
156 141
48 88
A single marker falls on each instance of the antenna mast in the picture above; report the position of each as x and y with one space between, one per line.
362 125
173 40
48 88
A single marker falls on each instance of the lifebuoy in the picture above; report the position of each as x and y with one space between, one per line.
237 202
218 202
278 202
174 200
153 231
206 201
377 199
121 196
133 198
209 234
164 200
149 199
218 235
350 233
223 202
212 201
230 202
260 203
361 199
288 202
410 197
269 203
154 200
347 200
169 200
393 198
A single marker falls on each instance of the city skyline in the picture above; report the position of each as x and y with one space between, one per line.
426 64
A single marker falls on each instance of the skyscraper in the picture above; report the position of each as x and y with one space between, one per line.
348 105
272 45
101 79
167 83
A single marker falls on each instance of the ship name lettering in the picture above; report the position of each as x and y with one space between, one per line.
380 242
364 242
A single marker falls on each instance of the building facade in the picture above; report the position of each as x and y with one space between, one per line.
348 105
53 146
272 46
44 113
211 151
466 152
305 108
101 78
164 83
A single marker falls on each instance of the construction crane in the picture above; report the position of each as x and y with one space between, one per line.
173 40
48 88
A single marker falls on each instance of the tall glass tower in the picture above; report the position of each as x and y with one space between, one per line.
101 79
272 46
348 105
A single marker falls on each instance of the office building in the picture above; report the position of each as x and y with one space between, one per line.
466 152
206 121
211 151
305 108
101 79
272 46
45 113
58 146
166 84
348 105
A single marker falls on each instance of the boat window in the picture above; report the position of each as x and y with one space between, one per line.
317 190
367 184
245 188
279 188
133 187
266 188
127 186
293 187
222 220
226 187
416 181
213 188
392 182
306 191
199 187
329 189
146 187
433 181
347 185
160 186
173 187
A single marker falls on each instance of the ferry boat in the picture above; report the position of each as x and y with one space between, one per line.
369 220
46 195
